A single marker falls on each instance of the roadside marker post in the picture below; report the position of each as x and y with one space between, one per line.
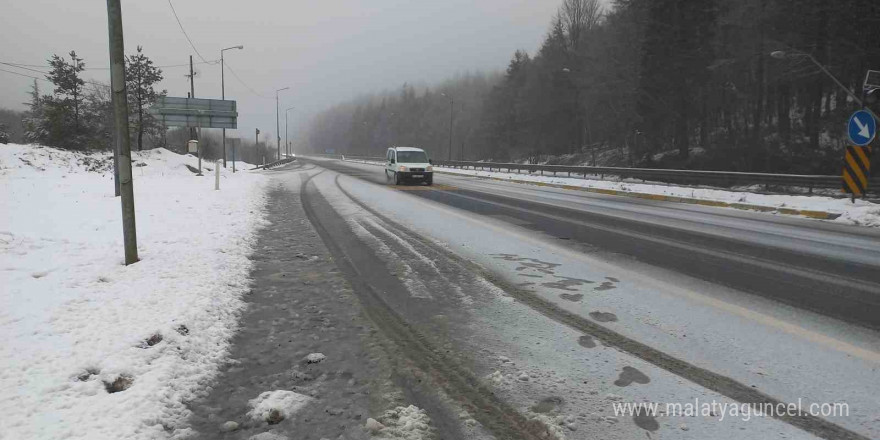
856 171
217 175
862 128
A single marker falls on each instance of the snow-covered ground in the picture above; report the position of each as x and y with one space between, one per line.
859 213
77 323
786 353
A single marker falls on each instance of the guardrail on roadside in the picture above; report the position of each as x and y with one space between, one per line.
275 164
686 177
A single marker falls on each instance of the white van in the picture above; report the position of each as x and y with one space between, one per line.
404 164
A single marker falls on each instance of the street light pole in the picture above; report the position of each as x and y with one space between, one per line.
451 109
223 92
781 55
278 121
286 139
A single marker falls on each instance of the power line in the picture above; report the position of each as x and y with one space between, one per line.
243 83
185 34
24 75
23 68
44 79
45 66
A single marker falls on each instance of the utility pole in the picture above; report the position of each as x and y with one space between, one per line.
286 138
192 93
223 96
451 109
278 121
120 116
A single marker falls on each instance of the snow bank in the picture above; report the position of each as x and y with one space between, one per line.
275 406
859 213
403 422
95 349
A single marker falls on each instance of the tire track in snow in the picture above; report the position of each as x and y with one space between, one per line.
705 378
499 418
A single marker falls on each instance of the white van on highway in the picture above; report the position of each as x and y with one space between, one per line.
404 164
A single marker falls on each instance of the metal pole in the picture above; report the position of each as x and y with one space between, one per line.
233 156
192 93
120 115
286 139
451 109
216 175
277 127
223 97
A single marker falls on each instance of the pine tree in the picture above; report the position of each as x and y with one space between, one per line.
141 76
35 120
62 111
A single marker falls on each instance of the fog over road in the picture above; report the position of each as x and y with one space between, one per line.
525 303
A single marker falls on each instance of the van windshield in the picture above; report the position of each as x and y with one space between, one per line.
412 157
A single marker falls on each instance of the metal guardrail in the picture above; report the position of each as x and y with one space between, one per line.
686 177
275 164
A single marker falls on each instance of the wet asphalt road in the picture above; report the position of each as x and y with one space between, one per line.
826 268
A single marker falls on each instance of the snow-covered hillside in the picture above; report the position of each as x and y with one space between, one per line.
96 349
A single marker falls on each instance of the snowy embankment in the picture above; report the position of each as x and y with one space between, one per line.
841 210
859 213
96 349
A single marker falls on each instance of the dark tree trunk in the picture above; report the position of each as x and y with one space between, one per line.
782 112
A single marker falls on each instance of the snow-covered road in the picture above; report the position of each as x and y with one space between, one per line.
500 310
753 343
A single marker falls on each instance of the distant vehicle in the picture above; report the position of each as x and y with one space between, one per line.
404 164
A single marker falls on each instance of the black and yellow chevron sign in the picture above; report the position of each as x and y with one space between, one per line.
856 170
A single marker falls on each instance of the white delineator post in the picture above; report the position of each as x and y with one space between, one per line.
217 175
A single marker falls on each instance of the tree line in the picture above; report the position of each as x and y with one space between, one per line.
78 114
664 83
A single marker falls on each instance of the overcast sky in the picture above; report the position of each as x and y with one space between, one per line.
326 51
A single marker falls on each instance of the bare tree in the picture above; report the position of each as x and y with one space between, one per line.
579 17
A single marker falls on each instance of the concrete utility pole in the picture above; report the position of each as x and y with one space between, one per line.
223 96
192 93
257 144
120 117
278 121
451 109
286 138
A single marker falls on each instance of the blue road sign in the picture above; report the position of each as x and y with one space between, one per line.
862 128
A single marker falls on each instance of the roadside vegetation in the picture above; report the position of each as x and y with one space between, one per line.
661 83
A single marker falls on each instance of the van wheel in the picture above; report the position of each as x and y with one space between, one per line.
429 182
396 178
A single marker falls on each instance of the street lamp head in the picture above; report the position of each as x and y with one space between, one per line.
281 89
779 54
240 46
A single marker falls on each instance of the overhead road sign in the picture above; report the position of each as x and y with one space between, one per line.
856 170
862 128
872 80
195 112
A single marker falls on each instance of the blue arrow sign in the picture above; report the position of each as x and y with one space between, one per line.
862 128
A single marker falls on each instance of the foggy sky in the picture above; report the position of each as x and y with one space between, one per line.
326 51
